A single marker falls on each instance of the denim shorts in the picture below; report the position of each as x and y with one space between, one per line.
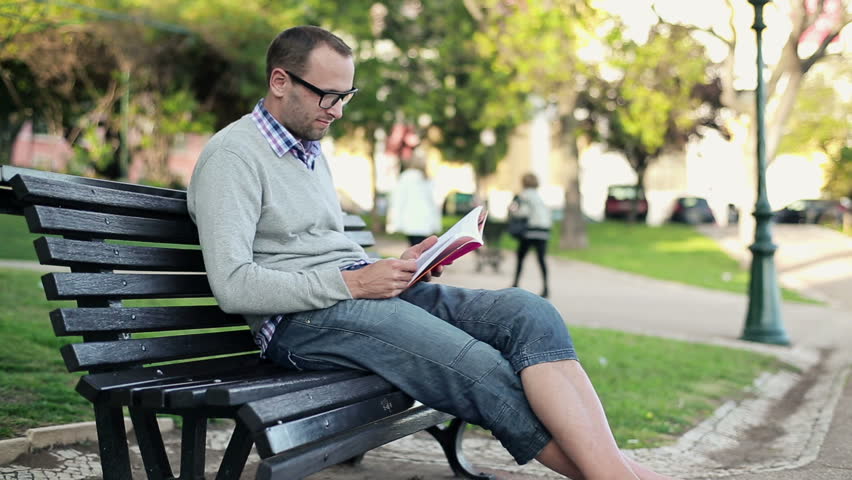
453 349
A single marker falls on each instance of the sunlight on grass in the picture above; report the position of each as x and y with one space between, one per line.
676 253
690 245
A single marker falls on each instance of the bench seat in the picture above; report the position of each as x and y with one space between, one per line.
153 342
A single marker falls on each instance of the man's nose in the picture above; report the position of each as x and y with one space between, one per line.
336 110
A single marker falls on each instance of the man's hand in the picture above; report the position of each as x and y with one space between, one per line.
384 279
415 251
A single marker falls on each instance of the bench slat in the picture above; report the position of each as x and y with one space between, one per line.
89 355
111 256
79 223
60 192
160 395
8 172
189 397
308 401
257 390
115 383
353 222
295 433
364 238
303 461
72 286
79 321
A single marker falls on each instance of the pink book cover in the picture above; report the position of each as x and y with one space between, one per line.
457 248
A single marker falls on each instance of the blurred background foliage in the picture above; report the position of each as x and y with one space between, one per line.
125 78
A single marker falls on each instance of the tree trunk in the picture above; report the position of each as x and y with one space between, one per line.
782 112
574 235
633 215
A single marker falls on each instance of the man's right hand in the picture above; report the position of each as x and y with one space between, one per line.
384 279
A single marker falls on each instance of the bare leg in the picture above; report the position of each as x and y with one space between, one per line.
578 424
555 459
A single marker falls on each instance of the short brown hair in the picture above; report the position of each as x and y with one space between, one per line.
291 48
529 180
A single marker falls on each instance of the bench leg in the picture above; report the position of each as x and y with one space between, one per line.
112 442
193 447
151 446
450 437
236 454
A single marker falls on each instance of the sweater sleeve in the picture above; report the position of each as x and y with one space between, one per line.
225 201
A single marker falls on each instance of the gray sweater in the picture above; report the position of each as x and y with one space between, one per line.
271 230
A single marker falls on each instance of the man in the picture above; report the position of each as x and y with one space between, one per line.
271 232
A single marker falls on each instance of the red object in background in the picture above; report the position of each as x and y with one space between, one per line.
828 19
402 141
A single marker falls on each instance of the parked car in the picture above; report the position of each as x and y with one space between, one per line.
692 210
811 211
619 201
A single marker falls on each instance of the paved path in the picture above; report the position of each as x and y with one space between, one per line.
795 426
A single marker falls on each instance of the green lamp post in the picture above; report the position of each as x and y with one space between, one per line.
763 321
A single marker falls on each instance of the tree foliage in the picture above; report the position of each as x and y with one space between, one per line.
650 97
535 44
821 122
79 60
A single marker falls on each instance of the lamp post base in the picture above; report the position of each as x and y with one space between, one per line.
763 321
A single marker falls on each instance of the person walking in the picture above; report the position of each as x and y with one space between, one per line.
275 251
412 209
529 205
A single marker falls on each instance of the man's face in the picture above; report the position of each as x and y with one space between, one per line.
302 115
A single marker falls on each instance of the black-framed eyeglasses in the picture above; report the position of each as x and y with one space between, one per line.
327 98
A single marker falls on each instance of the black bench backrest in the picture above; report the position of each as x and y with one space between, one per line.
121 242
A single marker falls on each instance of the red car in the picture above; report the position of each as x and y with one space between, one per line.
619 201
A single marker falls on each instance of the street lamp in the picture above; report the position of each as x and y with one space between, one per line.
763 321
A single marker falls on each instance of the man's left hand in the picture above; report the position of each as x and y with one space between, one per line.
414 252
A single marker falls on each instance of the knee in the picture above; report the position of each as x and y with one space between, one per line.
528 303
529 310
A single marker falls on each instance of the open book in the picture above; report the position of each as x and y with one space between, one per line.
463 237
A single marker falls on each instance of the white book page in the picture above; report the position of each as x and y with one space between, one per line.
467 226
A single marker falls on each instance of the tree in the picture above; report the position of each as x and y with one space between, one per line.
80 62
814 25
657 100
821 122
417 66
551 71
471 103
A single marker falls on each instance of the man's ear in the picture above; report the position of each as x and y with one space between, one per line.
278 82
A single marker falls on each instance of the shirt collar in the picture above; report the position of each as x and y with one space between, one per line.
281 140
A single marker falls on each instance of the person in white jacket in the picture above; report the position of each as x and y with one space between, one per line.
412 209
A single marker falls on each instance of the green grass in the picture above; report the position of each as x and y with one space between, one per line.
676 253
17 241
35 387
653 389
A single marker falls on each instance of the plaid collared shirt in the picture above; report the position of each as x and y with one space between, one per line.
282 142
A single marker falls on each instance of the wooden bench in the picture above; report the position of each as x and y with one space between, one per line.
123 242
